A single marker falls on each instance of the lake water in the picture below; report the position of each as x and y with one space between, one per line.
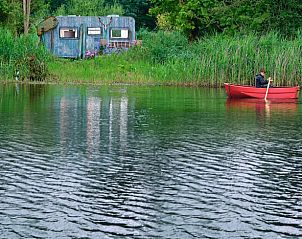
147 162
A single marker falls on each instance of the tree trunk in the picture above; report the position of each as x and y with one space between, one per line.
24 17
26 13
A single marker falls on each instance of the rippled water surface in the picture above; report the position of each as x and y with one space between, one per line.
147 162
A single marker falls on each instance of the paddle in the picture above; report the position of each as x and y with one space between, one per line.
269 81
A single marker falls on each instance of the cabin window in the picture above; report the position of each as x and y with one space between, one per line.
94 31
119 33
69 33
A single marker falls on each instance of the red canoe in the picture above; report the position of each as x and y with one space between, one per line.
243 91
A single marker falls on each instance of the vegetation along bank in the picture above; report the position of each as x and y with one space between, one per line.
228 41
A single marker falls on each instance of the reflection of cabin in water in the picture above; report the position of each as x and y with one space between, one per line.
83 36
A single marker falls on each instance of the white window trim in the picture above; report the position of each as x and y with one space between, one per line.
66 29
124 33
94 31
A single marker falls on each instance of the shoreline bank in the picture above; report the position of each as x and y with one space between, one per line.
70 83
165 58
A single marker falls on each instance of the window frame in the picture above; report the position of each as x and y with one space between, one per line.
121 37
90 34
76 29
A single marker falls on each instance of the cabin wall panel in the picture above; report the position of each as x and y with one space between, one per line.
75 47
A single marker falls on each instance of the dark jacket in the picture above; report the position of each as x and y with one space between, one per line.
260 81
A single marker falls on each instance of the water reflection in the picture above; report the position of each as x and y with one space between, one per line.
123 121
63 122
117 121
106 122
17 88
71 124
36 91
93 125
264 108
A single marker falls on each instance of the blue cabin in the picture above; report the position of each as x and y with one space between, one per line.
86 36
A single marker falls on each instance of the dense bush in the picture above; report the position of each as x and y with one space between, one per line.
162 46
23 55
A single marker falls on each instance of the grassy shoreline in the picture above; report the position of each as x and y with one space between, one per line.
167 58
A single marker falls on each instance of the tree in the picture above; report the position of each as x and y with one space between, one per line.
200 17
286 15
11 15
19 16
89 8
242 16
139 10
193 17
55 4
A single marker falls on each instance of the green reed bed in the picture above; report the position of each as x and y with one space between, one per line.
21 54
217 59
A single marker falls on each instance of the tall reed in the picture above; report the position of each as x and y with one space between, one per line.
216 59
21 57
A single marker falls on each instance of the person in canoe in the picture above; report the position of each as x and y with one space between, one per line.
260 81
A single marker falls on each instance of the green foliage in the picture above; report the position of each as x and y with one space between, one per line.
139 10
55 4
194 18
60 11
162 46
39 10
11 11
22 54
89 8
200 17
11 15
286 15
